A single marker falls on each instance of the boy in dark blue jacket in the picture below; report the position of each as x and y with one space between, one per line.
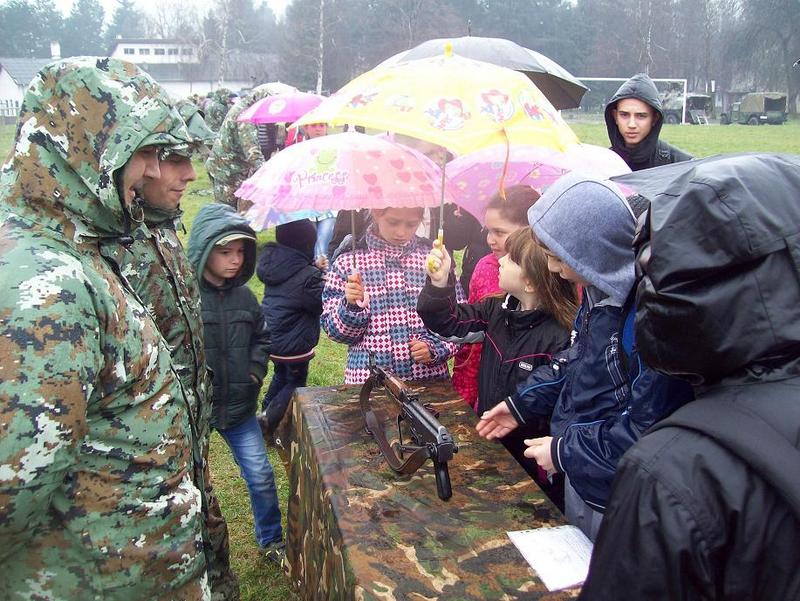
599 395
222 250
291 306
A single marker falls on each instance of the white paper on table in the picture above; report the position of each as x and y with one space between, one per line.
559 555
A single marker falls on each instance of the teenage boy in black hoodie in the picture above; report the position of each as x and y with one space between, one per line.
634 117
291 306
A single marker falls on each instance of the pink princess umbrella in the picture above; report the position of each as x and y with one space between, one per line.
476 177
281 108
343 171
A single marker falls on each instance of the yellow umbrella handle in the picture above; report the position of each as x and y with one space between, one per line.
438 243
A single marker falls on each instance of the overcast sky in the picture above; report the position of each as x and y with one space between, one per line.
277 6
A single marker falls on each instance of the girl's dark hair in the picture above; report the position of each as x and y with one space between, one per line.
557 296
514 207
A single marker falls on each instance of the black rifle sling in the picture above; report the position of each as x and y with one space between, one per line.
745 434
375 428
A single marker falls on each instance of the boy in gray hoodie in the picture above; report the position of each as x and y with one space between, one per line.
599 395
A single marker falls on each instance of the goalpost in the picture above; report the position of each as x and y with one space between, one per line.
601 89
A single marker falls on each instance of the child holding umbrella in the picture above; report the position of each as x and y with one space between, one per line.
370 299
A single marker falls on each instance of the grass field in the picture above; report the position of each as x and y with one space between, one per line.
260 581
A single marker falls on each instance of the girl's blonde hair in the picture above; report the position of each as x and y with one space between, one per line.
557 296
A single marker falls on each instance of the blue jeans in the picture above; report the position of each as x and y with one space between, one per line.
324 235
247 445
286 377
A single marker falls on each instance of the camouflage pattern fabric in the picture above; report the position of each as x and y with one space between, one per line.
98 498
358 531
236 155
217 108
156 266
158 270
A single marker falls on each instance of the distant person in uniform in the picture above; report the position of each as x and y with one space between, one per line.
634 117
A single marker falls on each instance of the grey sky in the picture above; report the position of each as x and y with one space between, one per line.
277 6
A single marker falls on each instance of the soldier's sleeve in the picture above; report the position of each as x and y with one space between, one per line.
50 358
248 138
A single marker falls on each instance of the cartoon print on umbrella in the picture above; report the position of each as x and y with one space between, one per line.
496 105
447 114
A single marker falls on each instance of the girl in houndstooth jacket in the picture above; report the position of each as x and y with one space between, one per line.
370 302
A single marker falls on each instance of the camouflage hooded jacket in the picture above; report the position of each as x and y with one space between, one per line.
97 499
236 155
157 268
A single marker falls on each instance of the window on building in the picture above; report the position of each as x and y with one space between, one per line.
172 51
159 51
186 51
144 50
128 51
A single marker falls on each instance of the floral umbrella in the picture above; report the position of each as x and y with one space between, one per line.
282 108
559 86
476 177
458 103
342 171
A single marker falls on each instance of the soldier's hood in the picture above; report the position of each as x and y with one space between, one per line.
721 252
640 87
80 122
213 222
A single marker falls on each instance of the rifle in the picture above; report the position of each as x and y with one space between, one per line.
431 439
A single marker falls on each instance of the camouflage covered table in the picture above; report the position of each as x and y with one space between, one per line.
358 531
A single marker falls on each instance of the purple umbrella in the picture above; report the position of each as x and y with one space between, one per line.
282 108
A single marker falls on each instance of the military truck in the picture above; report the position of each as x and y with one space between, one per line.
698 107
757 108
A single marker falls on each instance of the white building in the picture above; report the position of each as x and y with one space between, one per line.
176 65
15 75
155 52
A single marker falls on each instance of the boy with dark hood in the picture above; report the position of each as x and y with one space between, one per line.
634 117
692 517
98 491
292 305
222 250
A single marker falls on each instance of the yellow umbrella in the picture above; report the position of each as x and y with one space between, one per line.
455 102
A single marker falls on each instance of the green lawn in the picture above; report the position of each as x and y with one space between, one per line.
260 581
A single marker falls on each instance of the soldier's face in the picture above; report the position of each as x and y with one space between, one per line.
634 120
165 191
143 163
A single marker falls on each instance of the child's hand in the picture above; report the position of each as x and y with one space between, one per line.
420 351
354 292
321 262
497 422
539 449
438 264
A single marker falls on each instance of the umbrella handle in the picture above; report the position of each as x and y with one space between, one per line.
438 243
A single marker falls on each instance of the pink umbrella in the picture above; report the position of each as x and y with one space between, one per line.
475 177
343 171
281 108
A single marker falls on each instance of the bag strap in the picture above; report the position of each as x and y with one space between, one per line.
748 436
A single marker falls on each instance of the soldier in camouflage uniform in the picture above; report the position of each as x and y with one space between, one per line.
236 155
97 493
218 108
157 268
